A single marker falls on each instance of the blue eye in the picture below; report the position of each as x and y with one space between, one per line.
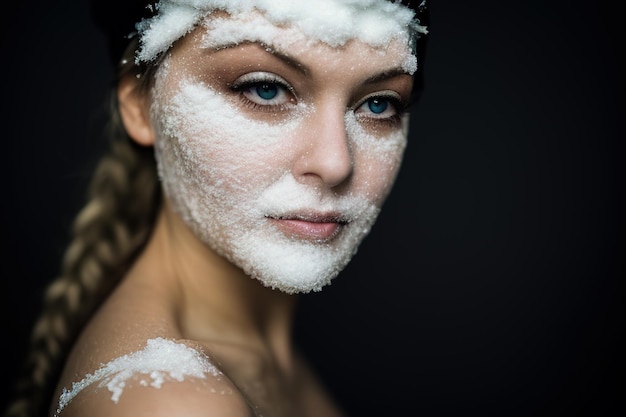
264 90
380 107
377 105
267 91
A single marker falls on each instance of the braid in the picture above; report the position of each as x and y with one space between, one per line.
106 236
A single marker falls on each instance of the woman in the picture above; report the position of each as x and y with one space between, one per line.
255 143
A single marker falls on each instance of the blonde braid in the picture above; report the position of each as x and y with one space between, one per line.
107 234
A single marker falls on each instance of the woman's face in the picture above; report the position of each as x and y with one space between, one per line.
278 150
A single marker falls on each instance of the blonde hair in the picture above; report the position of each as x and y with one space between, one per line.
106 235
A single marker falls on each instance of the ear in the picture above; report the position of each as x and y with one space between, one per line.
133 111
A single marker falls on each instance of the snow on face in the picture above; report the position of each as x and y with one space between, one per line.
229 171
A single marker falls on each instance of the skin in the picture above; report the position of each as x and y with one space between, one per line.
180 288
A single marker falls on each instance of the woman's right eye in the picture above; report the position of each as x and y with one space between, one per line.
264 90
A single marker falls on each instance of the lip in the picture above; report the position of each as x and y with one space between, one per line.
317 228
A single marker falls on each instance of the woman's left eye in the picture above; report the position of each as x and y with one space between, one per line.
379 107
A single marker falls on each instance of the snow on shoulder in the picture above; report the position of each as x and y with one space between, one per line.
160 361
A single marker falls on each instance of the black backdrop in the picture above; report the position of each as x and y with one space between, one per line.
492 284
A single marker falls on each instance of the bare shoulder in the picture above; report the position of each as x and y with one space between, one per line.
174 398
167 377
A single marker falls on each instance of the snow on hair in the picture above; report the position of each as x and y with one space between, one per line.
334 22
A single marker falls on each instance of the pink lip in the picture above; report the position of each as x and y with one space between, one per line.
315 230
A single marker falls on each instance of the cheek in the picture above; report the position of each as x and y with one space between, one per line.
215 144
374 177
377 159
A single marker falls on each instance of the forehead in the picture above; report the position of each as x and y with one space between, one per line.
237 34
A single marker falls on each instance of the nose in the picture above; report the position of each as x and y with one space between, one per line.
325 152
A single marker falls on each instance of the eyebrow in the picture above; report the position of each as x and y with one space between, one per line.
297 65
386 75
302 68
288 60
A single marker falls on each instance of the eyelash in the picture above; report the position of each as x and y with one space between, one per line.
250 83
391 99
258 80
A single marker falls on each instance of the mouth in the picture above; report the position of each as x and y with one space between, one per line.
317 228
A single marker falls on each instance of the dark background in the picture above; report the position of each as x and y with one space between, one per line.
492 284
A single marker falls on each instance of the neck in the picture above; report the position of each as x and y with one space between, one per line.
212 300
